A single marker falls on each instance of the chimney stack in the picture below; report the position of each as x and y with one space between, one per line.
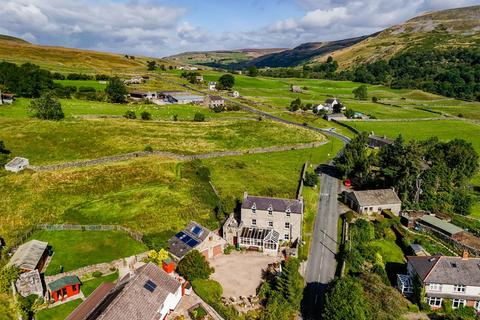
465 255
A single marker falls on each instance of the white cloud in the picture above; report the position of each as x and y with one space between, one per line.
322 18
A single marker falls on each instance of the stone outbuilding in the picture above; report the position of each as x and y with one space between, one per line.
30 256
29 283
17 164
373 201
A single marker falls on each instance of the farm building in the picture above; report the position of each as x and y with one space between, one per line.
378 142
64 288
29 283
165 94
185 99
147 293
373 201
215 101
30 256
332 102
199 79
141 95
212 86
297 89
134 80
17 164
335 117
438 225
6 98
197 237
234 94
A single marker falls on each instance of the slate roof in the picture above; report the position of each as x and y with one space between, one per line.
376 197
186 97
331 100
447 270
277 204
443 225
28 255
29 283
63 282
187 239
129 299
216 98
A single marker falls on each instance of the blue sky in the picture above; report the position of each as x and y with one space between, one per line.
163 27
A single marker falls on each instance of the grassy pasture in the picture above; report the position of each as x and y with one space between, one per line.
83 83
51 142
79 108
75 249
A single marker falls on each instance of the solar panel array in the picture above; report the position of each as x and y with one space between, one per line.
150 286
187 239
197 231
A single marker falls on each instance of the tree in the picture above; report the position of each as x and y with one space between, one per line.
7 275
311 179
226 82
338 107
252 71
145 115
116 90
345 300
295 105
151 65
130 114
349 113
3 154
199 117
355 161
360 93
290 283
157 257
194 266
47 107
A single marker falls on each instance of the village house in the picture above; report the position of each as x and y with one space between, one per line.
234 94
321 107
30 256
196 237
134 80
375 142
373 201
330 104
264 222
296 89
147 293
215 101
29 283
142 95
454 278
212 86
64 288
6 98
199 79
17 164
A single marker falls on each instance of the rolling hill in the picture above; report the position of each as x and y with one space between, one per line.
67 59
441 29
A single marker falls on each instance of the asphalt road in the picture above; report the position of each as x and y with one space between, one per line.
321 264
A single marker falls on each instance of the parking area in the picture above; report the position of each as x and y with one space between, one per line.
240 273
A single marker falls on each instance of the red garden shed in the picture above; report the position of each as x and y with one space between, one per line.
64 288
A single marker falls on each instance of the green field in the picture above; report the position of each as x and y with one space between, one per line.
389 250
76 249
82 83
58 313
45 142
89 286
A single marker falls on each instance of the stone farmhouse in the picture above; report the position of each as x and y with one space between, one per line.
215 101
17 164
454 278
296 89
134 80
373 201
148 293
264 222
234 94
330 103
196 237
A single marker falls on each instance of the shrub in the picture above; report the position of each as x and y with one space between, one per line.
145 115
97 274
7 275
148 149
311 179
175 117
228 249
130 114
199 117
360 93
374 99
3 154
194 266
116 91
47 107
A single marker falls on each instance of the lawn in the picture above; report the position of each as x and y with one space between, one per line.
46 142
389 250
89 286
58 313
76 249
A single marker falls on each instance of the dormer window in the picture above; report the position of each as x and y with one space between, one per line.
254 208
270 210
288 212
